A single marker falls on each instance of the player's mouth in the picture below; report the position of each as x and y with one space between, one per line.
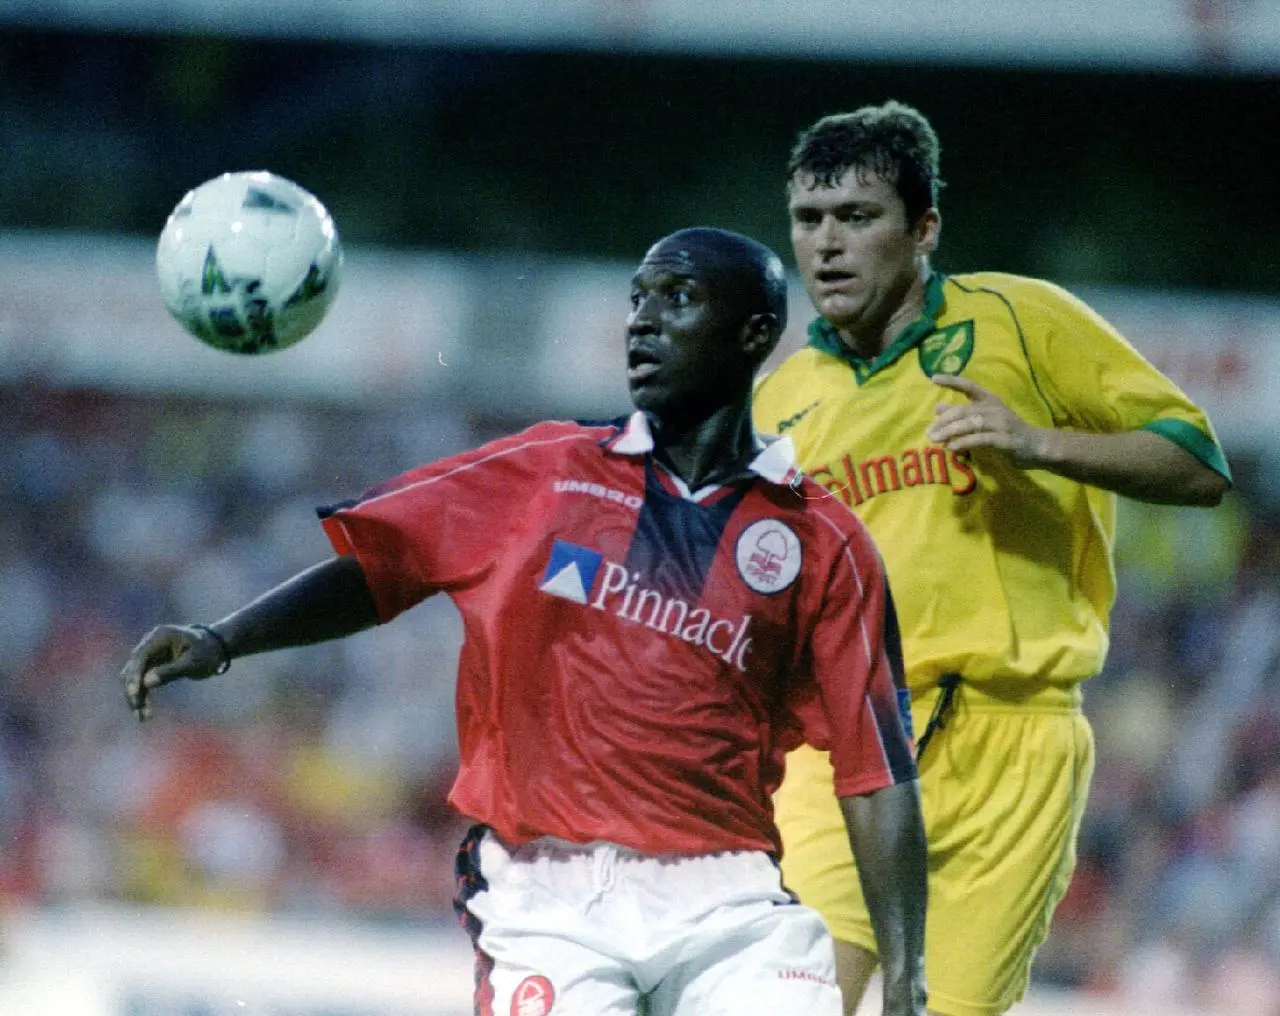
642 364
832 280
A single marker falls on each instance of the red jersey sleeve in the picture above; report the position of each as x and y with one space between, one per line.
441 526
857 663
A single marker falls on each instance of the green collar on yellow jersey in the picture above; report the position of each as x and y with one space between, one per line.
824 337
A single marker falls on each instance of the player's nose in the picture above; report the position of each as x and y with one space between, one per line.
827 238
642 320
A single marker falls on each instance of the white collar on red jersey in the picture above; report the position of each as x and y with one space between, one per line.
775 459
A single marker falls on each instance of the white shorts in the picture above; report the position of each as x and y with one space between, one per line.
563 929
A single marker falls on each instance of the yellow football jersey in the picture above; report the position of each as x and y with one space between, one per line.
997 572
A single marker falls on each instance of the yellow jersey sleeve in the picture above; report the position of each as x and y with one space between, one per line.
1093 379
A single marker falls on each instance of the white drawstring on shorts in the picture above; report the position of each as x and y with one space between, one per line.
602 871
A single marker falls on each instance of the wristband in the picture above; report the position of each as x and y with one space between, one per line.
225 665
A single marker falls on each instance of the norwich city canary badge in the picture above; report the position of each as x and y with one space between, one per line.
947 350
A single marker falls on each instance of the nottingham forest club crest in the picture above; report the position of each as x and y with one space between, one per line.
947 350
769 556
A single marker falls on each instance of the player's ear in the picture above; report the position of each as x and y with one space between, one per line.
760 335
928 231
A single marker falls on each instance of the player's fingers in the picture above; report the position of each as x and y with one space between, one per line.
952 420
160 647
945 412
942 431
958 383
151 679
980 439
957 426
164 673
135 691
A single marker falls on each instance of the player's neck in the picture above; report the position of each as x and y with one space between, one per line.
711 449
870 340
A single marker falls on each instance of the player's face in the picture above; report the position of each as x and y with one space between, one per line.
682 354
854 248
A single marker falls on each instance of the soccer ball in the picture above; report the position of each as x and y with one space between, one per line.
249 262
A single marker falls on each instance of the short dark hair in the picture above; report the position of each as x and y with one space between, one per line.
755 264
893 140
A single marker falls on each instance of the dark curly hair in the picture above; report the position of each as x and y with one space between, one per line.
893 140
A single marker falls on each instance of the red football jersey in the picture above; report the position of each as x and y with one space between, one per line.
638 658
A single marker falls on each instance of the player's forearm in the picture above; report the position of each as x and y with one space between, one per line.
1137 464
328 601
886 831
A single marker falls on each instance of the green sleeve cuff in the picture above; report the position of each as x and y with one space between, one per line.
1192 439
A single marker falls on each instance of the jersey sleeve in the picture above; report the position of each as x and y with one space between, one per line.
440 526
1094 379
857 664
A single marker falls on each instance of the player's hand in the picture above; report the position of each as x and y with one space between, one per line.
983 422
166 654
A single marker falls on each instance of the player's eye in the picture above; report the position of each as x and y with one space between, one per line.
636 296
679 298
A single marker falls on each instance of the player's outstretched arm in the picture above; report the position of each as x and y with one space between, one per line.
327 601
886 831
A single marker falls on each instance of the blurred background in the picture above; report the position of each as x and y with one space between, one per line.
278 842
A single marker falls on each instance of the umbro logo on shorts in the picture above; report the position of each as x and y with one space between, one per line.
796 974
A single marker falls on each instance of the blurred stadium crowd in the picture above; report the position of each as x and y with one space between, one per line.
309 780
314 781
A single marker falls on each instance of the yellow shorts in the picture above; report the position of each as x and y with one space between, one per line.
1003 788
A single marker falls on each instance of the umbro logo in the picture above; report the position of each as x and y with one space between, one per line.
598 490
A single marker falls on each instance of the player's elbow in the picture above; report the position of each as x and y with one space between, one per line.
1187 481
1208 490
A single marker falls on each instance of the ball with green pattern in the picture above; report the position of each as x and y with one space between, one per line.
249 262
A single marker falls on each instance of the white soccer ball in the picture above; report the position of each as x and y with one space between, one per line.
249 262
